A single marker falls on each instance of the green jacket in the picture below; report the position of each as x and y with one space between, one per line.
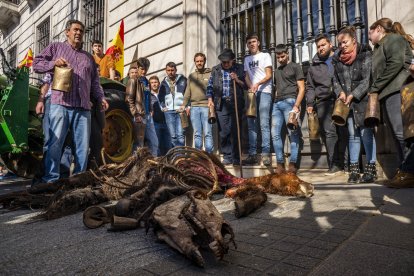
390 62
195 93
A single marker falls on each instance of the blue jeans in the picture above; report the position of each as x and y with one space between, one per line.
263 103
173 121
61 120
164 138
199 121
66 159
355 135
151 137
280 115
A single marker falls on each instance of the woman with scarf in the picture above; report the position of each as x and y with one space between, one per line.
352 77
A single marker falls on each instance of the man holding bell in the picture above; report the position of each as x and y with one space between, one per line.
70 101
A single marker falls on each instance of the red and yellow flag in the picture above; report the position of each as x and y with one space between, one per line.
116 50
28 60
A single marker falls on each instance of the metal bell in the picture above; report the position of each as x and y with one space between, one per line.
62 79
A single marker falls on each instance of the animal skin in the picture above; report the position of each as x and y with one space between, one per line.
286 184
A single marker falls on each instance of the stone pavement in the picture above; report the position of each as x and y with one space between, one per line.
361 229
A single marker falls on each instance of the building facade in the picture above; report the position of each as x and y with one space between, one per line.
174 30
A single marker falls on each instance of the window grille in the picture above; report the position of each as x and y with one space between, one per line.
43 35
302 20
12 56
94 22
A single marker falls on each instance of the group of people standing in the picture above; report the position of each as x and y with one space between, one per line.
350 74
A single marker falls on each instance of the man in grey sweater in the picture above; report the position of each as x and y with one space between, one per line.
195 95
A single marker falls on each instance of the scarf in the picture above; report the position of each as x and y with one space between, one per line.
348 58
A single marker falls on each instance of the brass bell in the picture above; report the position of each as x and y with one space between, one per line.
251 110
123 223
293 120
212 115
184 119
372 112
407 111
62 79
313 125
340 113
139 133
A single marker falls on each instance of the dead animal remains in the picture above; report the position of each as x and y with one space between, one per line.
160 192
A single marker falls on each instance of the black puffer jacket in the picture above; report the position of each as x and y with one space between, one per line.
360 74
319 84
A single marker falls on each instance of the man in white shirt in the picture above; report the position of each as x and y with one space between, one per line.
258 68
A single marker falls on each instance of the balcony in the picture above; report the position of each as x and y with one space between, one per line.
9 14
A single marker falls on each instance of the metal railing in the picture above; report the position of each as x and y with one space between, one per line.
241 17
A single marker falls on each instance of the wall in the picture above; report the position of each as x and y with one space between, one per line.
164 31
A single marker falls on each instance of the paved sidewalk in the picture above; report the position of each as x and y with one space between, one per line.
360 229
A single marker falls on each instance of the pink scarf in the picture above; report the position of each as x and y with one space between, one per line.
348 58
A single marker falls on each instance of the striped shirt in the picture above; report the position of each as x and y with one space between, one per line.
85 80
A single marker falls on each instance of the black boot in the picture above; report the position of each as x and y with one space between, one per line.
353 173
370 174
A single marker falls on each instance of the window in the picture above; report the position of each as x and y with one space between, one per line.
43 35
12 56
94 22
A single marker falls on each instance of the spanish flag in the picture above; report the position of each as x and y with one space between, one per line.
116 50
28 59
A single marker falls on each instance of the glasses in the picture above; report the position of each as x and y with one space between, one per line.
226 62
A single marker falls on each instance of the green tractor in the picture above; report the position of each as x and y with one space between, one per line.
21 133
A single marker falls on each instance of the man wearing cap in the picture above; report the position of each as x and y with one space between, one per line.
220 93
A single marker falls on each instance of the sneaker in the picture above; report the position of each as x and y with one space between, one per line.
266 160
250 160
334 170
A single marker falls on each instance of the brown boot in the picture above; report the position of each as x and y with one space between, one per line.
292 168
402 180
280 168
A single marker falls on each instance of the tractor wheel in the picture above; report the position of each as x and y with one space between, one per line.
118 131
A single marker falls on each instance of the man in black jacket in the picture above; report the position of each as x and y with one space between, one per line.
321 98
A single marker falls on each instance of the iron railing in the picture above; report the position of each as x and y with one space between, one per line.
240 17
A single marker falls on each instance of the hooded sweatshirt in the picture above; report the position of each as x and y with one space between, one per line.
195 93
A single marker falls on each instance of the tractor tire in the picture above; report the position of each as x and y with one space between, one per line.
118 131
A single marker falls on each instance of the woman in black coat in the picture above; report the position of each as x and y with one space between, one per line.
351 83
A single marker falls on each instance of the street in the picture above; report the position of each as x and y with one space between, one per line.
358 229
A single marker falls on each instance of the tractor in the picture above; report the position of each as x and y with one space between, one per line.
21 133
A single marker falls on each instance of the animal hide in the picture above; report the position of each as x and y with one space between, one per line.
191 221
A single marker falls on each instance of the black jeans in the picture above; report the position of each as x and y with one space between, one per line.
228 132
391 108
329 132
